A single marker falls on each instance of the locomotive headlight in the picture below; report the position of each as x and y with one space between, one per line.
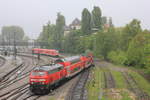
33 79
41 79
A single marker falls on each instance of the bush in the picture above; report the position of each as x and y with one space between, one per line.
138 52
117 57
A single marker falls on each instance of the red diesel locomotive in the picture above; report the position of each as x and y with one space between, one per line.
48 52
43 78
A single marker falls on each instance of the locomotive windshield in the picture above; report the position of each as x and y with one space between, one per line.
73 59
42 68
47 68
59 61
38 73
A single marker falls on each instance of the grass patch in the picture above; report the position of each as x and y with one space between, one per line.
119 79
141 81
125 96
94 86
52 98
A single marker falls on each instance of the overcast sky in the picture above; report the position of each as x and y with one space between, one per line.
31 15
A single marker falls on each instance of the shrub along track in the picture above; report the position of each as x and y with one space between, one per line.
133 86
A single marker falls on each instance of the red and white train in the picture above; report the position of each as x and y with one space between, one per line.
48 52
43 78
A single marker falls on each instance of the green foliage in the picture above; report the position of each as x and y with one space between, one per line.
128 45
9 31
138 52
104 20
146 59
60 23
105 42
70 43
110 22
26 38
86 22
47 34
117 57
119 79
141 81
129 32
53 34
48 31
95 85
81 43
96 18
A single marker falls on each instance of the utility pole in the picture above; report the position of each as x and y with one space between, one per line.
32 52
15 46
9 40
9 46
3 43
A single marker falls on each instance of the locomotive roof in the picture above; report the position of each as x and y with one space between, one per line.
48 67
72 58
44 49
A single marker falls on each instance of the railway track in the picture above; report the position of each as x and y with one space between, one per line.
2 61
23 92
109 80
13 76
8 85
19 93
12 92
77 92
12 72
134 87
18 73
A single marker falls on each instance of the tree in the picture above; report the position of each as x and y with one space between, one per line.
96 18
86 22
47 34
70 43
110 22
26 38
138 52
129 32
104 20
105 42
58 36
117 57
53 34
9 31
